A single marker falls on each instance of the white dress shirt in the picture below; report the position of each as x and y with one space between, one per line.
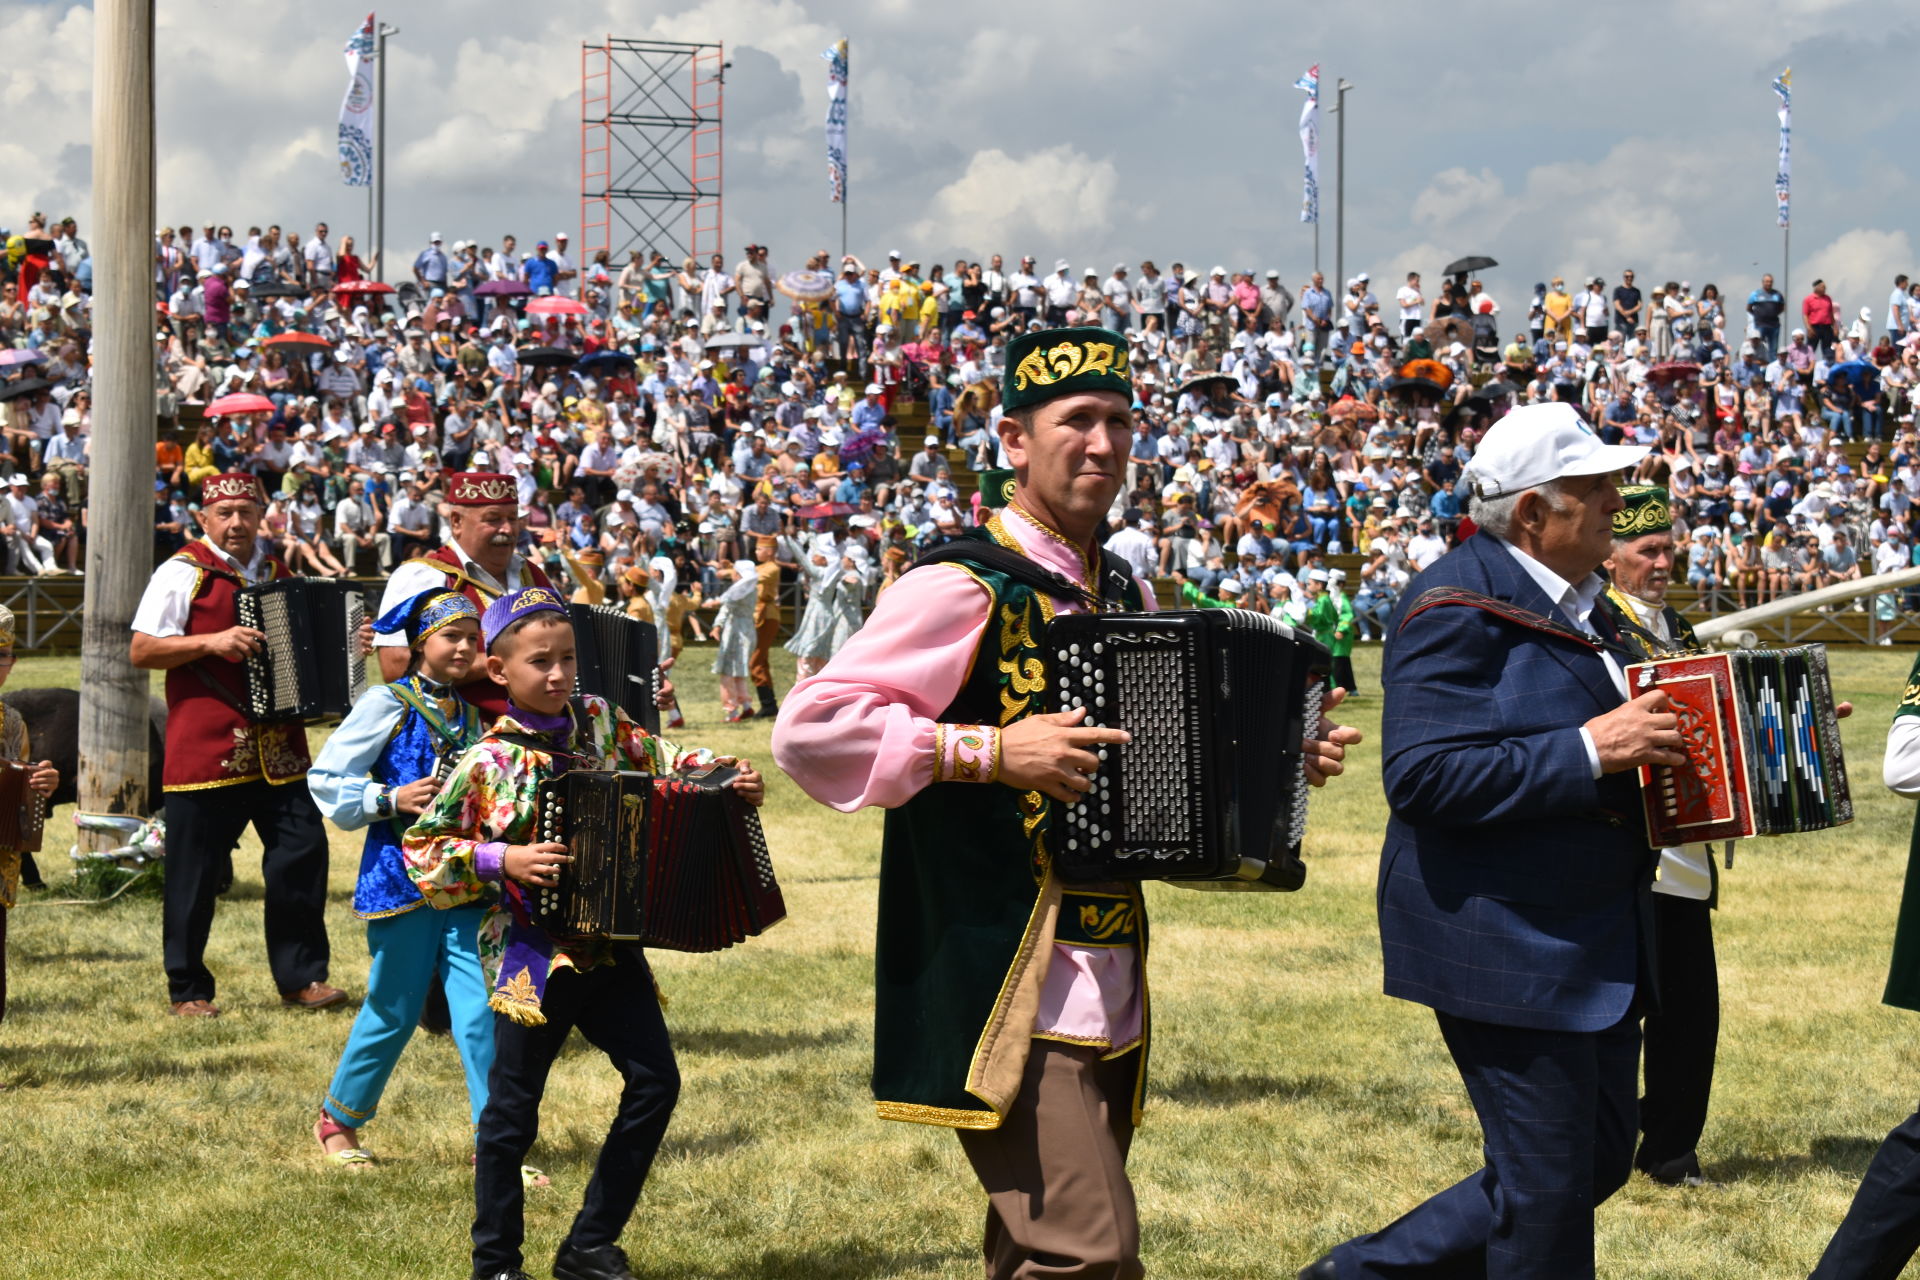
1575 601
169 595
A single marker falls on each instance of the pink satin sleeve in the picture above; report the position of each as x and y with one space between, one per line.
863 730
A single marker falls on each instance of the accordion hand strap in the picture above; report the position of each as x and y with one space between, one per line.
219 690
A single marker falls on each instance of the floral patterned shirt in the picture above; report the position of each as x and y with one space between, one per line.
454 849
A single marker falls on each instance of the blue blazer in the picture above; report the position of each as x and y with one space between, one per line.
1514 886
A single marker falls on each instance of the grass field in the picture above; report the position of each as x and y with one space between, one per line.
1292 1105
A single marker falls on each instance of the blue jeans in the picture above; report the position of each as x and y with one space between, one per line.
408 950
1370 606
1839 421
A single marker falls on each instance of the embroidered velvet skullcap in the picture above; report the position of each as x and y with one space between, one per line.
481 489
425 613
232 484
1058 362
6 628
996 487
514 607
1648 510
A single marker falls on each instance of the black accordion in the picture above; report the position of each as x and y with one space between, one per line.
679 862
310 667
23 811
619 660
1212 790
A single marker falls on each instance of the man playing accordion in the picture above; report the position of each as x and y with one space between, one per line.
1011 1007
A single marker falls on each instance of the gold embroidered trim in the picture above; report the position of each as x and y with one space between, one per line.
1079 553
950 1117
388 915
208 786
939 750
993 772
339 1105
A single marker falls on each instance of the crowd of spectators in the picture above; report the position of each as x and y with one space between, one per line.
648 408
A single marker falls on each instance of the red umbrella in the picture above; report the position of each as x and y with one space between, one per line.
242 403
305 342
824 511
556 307
363 286
1673 371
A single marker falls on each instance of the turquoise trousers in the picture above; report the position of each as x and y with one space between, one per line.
408 950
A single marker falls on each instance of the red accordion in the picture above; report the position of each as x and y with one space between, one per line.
1762 742
679 863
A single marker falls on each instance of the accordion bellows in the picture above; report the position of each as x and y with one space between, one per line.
310 667
1763 746
679 863
1212 790
619 660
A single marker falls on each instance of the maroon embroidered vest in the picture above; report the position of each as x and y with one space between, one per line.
209 743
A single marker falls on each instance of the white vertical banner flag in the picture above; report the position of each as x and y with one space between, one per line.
1310 143
837 119
356 110
1783 178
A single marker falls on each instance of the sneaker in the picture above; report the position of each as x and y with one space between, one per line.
607 1262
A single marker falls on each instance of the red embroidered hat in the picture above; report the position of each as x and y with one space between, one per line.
229 485
481 489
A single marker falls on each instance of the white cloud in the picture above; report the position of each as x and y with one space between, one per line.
1060 195
1859 268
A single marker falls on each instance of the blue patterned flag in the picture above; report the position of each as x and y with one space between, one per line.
1783 179
1310 143
356 110
837 119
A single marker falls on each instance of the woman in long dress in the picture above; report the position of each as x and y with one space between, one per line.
812 641
849 610
734 624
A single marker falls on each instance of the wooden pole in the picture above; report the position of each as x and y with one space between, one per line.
113 701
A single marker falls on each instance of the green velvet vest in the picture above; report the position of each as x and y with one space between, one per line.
963 870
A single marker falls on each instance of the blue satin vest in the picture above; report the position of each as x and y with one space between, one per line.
383 888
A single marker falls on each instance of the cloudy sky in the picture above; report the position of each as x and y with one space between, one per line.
1555 138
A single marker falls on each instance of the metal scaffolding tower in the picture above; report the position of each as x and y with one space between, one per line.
650 148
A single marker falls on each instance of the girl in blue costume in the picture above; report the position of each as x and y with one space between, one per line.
380 763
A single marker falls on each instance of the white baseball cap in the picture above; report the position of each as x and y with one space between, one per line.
1540 442
874 389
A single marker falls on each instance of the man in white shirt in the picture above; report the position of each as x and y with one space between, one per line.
1119 296
565 274
503 263
1413 307
411 524
319 259
1425 546
356 530
1024 289
1061 292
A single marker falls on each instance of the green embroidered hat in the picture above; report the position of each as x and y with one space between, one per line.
1647 511
996 487
1058 362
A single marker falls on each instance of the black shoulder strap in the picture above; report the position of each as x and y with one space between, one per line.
1029 572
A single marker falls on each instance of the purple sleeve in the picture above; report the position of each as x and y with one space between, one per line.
489 859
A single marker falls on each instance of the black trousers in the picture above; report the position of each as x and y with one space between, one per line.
202 828
616 1009
1343 674
1882 1228
1680 1040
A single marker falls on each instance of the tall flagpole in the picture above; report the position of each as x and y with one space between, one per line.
1783 181
380 149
